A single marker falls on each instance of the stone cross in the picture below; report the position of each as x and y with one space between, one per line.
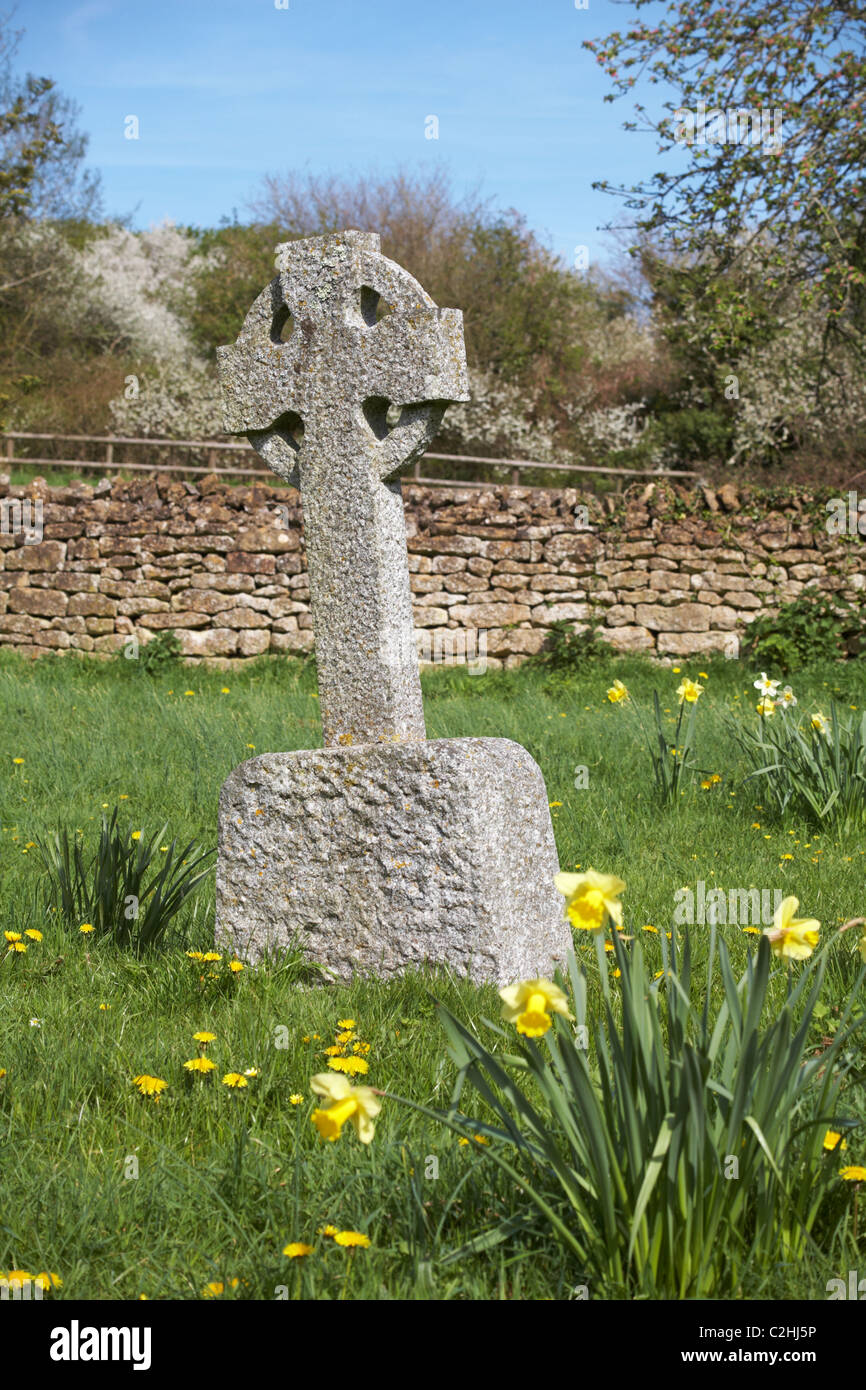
383 851
319 405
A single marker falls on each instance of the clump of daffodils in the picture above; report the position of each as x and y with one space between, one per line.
790 937
591 898
529 1005
356 1104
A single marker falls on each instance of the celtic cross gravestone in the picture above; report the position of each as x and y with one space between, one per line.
382 850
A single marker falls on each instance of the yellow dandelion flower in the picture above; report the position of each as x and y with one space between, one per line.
333 1051
33 934
136 835
12 936
216 1288
327 1231
234 1078
204 1037
346 1023
149 1085
195 955
86 927
47 1281
236 966
296 1248
350 1066
211 955
200 1064
296 1099
856 1173
352 1238
832 1141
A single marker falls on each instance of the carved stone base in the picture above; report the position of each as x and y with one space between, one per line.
379 858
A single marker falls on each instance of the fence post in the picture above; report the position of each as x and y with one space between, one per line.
109 452
515 477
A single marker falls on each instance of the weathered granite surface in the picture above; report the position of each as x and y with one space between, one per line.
315 406
380 858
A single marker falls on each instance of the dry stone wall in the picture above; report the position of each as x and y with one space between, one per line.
663 570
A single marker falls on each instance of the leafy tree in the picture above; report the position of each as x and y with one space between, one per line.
788 205
41 147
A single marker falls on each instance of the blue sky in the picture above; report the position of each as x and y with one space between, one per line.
226 91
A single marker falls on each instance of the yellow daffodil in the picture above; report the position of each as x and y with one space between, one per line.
831 1141
617 692
791 937
529 1005
766 708
787 699
820 724
357 1104
591 897
689 691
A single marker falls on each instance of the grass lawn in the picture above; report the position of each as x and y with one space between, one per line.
124 1197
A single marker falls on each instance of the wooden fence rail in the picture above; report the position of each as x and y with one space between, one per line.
212 448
